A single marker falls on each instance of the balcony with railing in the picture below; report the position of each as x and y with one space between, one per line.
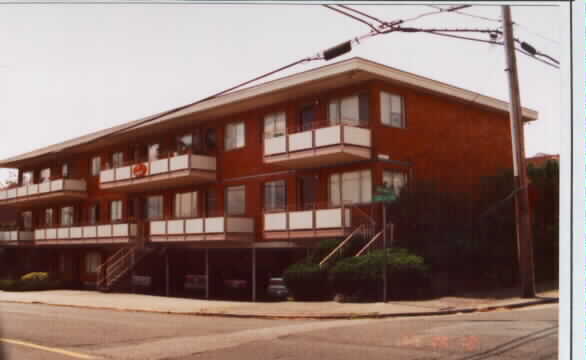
174 170
322 145
320 221
16 237
223 229
44 193
108 233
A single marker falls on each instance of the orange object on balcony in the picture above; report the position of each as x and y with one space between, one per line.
139 170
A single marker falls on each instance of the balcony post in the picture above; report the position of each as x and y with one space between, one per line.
253 273
207 263
167 292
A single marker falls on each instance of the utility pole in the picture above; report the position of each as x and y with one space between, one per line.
385 266
523 221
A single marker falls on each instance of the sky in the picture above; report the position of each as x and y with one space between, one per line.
70 69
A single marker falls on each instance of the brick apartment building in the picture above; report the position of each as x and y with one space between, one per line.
239 186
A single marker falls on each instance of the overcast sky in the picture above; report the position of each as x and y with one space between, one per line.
66 70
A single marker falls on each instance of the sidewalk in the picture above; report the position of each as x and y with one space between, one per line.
287 309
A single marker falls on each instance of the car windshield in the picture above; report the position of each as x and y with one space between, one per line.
276 282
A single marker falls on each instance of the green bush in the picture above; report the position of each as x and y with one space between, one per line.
8 285
31 282
360 278
41 276
307 281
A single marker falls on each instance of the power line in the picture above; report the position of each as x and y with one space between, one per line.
353 17
439 11
468 14
364 14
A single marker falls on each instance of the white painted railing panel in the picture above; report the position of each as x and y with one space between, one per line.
328 136
328 218
11 194
40 234
275 145
175 227
159 166
202 162
57 185
180 162
104 230
356 136
14 236
107 175
74 185
63 233
33 189
300 141
51 234
239 225
123 173
214 225
2 194
301 220
75 232
90 232
275 222
26 236
194 226
21 191
3 236
120 230
44 187
158 227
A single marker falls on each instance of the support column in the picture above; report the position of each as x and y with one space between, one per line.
207 273
253 274
167 273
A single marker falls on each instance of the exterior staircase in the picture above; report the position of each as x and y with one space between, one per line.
377 236
118 267
363 230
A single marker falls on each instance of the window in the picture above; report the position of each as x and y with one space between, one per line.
394 180
184 143
117 159
67 216
94 214
154 207
48 217
96 165
351 187
27 220
275 125
235 200
65 170
92 261
27 178
391 107
275 195
234 136
115 210
153 152
352 110
186 204
45 175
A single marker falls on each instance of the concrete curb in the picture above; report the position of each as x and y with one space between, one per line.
309 316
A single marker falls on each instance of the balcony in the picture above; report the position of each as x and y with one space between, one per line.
219 228
16 237
44 193
319 147
86 234
176 170
307 224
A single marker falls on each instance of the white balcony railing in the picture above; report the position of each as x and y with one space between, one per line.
322 219
201 226
87 232
318 138
15 235
159 167
34 190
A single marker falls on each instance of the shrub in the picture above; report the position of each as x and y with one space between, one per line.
360 278
8 285
31 282
41 276
307 281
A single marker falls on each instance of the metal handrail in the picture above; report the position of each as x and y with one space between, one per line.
359 228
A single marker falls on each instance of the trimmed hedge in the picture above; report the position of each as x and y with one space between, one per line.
31 282
307 281
360 278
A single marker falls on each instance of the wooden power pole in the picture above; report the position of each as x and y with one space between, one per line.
523 221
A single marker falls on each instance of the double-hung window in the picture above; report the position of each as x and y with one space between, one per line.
96 165
27 220
275 125
275 195
391 107
92 261
27 178
116 210
235 135
117 160
67 216
186 204
394 180
153 150
45 175
94 214
351 110
236 200
154 207
184 143
65 170
48 217
350 187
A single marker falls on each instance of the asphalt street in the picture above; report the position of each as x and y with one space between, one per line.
31 331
